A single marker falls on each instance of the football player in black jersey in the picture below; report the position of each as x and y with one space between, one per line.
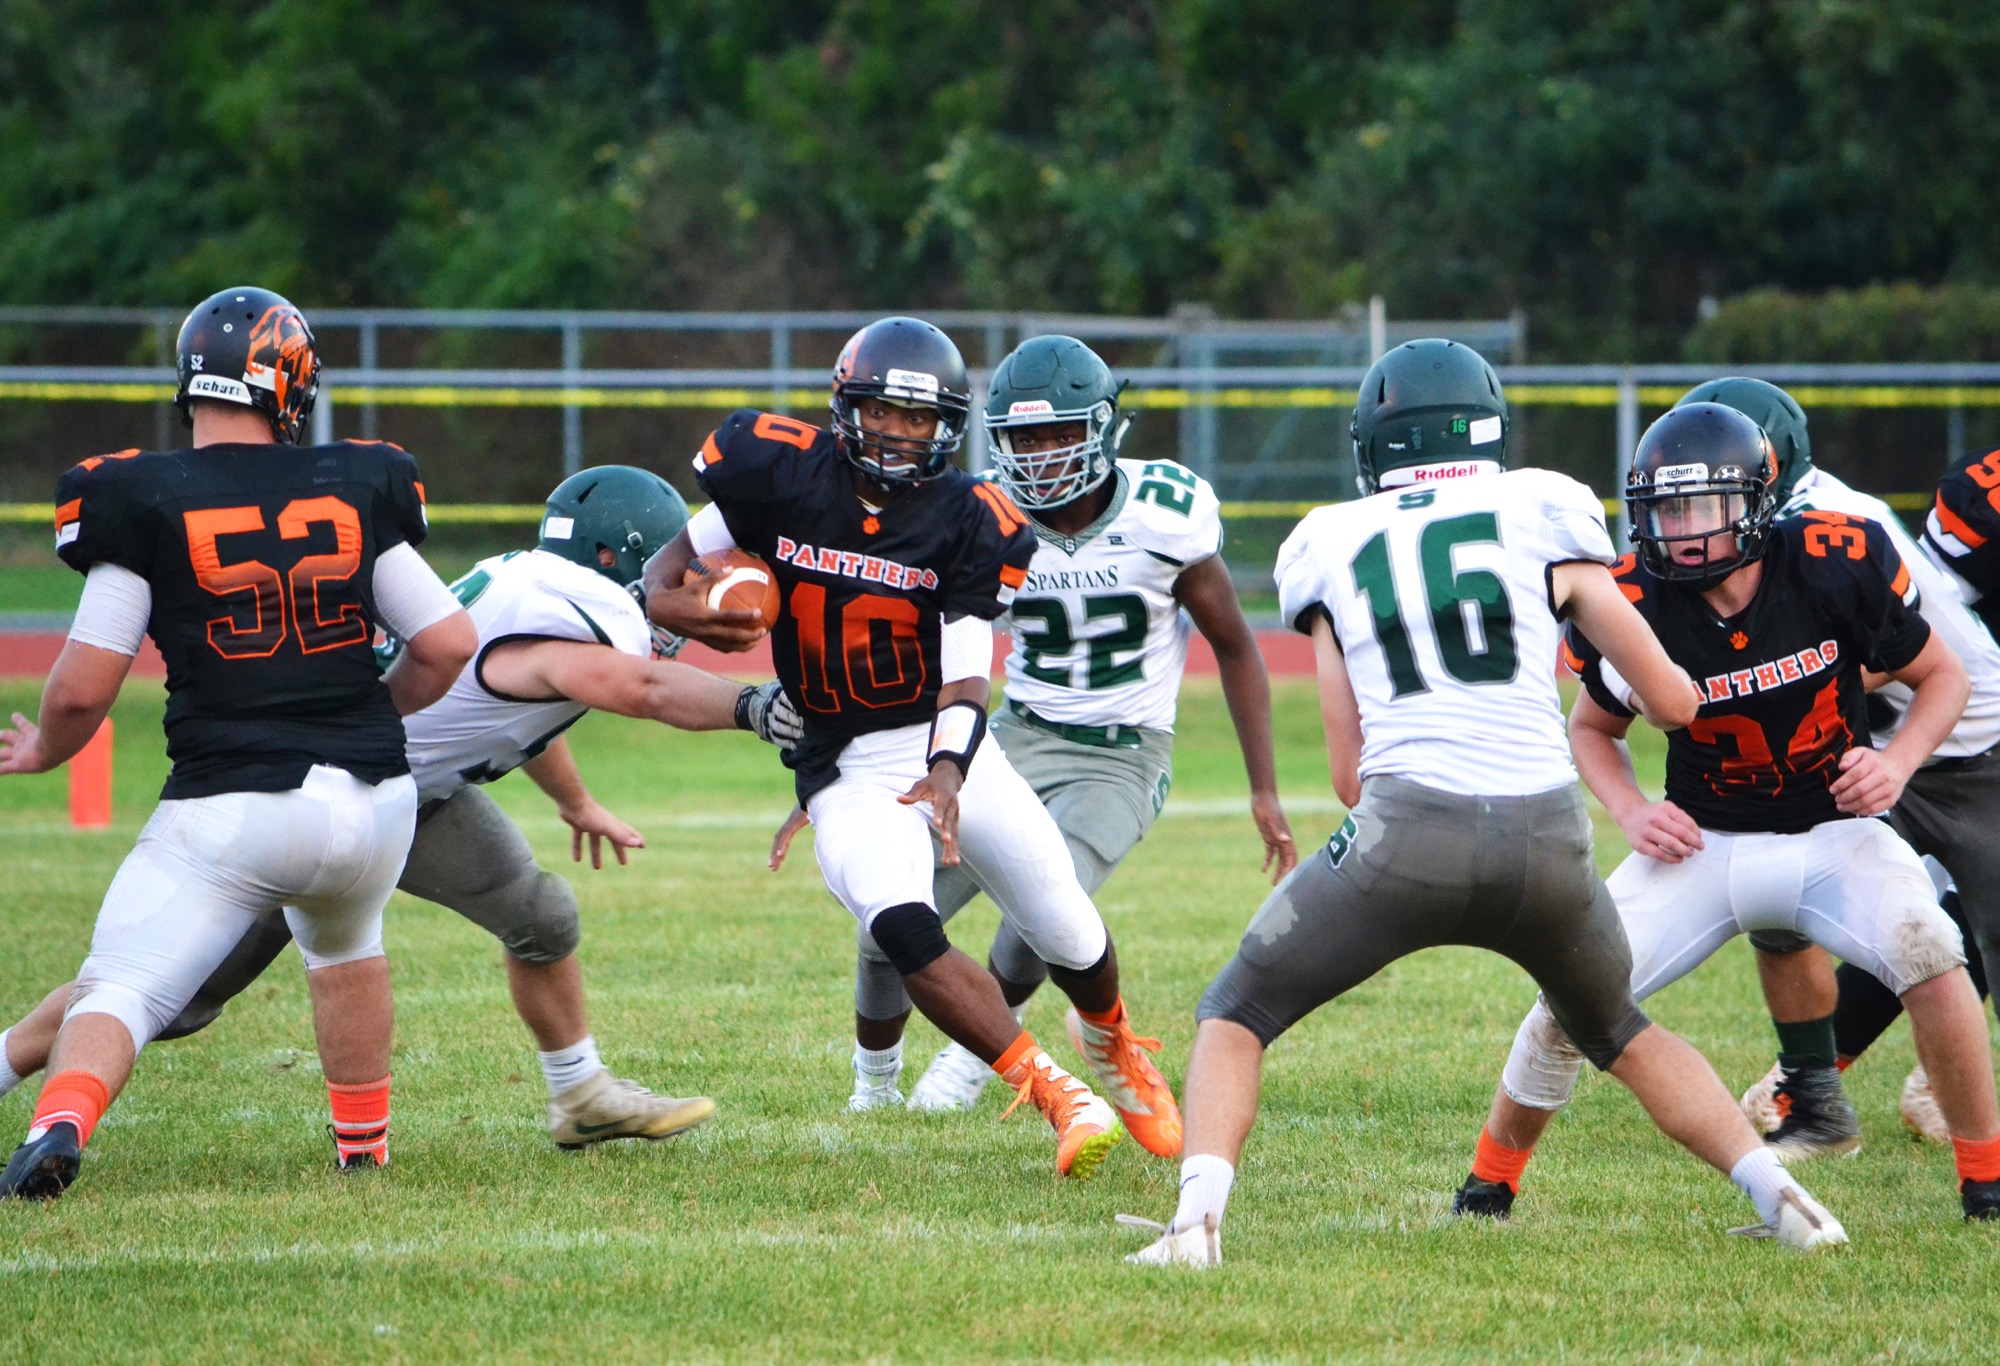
892 565
261 571
1767 788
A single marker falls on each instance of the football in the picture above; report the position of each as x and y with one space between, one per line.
747 585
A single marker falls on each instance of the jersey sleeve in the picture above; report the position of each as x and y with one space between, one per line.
994 552
101 520
400 518
1963 527
1304 582
749 468
1852 560
1188 523
1567 522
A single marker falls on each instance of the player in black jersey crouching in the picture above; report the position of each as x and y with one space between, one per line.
1767 788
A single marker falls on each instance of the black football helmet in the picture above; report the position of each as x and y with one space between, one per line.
250 346
907 362
1430 402
1700 470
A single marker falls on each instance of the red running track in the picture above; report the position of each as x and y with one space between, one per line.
29 654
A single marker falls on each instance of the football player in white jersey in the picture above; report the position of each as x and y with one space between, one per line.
560 633
1947 812
1436 604
1128 561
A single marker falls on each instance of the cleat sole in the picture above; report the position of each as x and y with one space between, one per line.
1091 1155
1802 1152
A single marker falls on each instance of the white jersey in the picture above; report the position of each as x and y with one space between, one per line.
1943 604
1438 594
1099 638
473 734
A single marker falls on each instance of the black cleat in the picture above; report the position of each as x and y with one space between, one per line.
43 1169
1814 1118
1980 1198
360 1160
1483 1199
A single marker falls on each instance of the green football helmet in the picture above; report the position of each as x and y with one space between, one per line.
1426 403
1053 379
1771 408
630 512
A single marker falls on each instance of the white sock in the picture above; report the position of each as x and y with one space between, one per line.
1205 1183
879 1066
1763 1178
567 1067
8 1078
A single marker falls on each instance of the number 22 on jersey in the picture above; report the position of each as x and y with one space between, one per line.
294 594
1466 612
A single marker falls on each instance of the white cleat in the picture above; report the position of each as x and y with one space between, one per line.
604 1107
874 1090
953 1081
1198 1246
1760 1102
1920 1108
1802 1223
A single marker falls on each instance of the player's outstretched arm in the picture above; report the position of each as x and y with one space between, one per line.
940 785
607 679
75 700
683 608
1658 830
1872 780
1209 595
431 662
1339 713
555 772
1665 695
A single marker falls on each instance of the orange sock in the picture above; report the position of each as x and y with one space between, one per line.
1019 1051
1109 1017
360 1120
1842 1064
1978 1158
78 1098
1493 1160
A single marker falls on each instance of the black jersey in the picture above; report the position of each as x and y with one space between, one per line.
1963 530
262 563
857 638
1781 680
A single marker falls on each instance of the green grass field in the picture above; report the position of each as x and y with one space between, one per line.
209 1222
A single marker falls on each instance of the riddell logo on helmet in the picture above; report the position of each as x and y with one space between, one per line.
1449 469
1030 407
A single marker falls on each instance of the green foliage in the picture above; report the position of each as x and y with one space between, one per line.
1880 323
1603 166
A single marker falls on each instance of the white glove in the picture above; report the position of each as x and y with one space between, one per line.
766 710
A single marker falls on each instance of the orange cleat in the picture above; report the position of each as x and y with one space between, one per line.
1135 1087
1086 1129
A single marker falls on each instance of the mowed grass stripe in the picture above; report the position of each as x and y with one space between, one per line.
208 1221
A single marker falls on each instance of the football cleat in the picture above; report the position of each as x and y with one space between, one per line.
1920 1108
1802 1223
1981 1199
43 1169
1134 1086
1086 1128
875 1090
605 1107
1479 1199
1198 1245
364 1161
1814 1118
953 1081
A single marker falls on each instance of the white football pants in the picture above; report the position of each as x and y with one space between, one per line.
1851 886
876 852
205 868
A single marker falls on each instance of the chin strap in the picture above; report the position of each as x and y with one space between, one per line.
955 735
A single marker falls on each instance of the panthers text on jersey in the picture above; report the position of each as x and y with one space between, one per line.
1099 638
1439 596
1943 598
475 733
864 589
261 561
1780 680
1963 532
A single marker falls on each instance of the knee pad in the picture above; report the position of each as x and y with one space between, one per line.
316 961
911 935
1778 941
1542 1066
142 1019
878 987
541 924
1922 943
1089 974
